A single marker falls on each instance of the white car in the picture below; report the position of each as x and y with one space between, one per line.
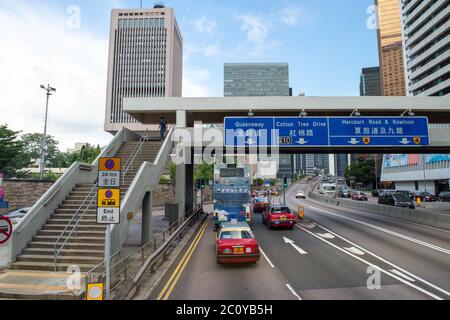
300 195
17 215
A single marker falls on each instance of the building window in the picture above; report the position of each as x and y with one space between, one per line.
416 185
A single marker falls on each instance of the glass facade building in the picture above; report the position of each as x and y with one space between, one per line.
256 79
370 84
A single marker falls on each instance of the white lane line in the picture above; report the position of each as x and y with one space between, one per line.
390 263
325 235
309 225
293 291
371 264
267 258
402 275
355 250
393 233
292 243
397 219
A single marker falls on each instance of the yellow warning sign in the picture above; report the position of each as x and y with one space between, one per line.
94 292
108 198
366 140
109 164
417 140
301 212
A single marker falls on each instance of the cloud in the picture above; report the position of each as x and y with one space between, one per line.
39 50
205 25
255 27
292 15
195 83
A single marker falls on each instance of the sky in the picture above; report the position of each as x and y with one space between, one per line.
65 43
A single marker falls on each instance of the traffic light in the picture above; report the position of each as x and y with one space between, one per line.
285 184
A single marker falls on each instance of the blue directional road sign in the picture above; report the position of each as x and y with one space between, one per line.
295 132
326 131
379 131
248 132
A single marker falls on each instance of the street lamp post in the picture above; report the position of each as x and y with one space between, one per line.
49 91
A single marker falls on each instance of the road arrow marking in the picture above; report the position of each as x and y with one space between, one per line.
326 235
289 241
354 141
355 251
302 141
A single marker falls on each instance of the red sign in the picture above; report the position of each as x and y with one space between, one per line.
6 229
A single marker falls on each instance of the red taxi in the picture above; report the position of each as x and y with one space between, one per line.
279 216
236 244
260 204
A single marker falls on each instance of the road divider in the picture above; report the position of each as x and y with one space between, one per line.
419 216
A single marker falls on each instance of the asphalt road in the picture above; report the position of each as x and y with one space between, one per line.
334 253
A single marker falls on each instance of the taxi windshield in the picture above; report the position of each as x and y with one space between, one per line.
261 200
281 210
237 234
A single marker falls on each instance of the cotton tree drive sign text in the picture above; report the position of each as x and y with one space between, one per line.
326 131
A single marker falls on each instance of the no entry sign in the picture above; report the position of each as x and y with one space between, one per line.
6 229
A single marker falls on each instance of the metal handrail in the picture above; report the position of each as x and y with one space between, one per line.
76 218
132 157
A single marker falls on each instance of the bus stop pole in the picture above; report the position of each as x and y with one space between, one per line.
108 262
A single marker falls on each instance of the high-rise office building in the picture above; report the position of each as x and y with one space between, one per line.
390 48
426 31
256 79
260 79
145 60
370 83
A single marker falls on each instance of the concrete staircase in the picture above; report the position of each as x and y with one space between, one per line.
87 250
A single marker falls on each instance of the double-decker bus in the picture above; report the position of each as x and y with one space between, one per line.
232 201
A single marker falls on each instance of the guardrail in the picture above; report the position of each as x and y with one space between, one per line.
137 149
420 216
78 173
126 272
146 180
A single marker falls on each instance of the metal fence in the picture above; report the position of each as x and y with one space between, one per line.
124 269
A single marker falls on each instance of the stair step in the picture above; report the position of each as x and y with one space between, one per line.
83 233
61 259
64 252
58 221
52 239
69 245
49 266
61 227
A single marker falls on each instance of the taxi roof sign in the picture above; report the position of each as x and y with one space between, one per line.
109 164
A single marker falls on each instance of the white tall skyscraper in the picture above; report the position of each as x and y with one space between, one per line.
426 43
145 60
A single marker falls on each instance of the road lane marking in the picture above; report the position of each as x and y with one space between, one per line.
293 291
372 265
355 251
402 275
392 218
267 258
391 264
393 233
181 263
292 243
325 235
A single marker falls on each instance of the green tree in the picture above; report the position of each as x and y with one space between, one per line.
204 171
363 171
172 170
259 182
32 147
12 156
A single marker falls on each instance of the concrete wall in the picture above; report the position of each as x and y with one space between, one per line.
425 217
24 193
